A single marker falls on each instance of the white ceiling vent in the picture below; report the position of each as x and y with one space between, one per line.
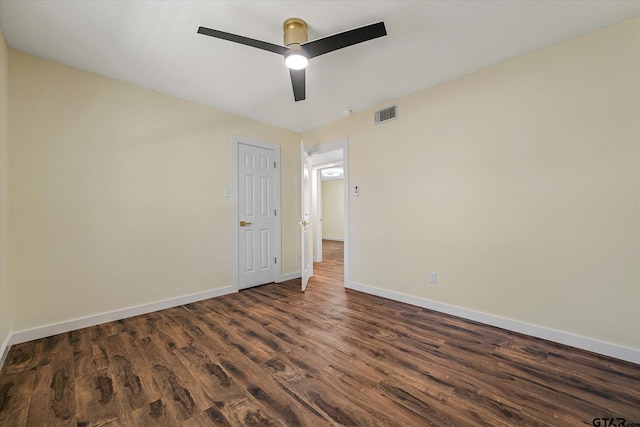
386 114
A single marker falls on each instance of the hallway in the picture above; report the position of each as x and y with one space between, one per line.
331 270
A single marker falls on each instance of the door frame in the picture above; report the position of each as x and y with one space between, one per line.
342 143
236 140
316 202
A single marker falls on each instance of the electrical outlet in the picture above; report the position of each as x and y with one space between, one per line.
433 277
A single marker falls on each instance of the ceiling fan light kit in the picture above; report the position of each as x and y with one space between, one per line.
297 50
295 33
296 59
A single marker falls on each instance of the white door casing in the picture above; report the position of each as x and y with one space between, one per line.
316 196
256 215
305 217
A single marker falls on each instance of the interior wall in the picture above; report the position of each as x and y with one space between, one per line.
519 185
333 210
118 194
5 326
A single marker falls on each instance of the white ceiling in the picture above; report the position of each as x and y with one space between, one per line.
328 158
154 44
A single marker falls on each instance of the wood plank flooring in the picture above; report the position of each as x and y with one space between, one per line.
273 356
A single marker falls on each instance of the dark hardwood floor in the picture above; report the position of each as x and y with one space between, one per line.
273 356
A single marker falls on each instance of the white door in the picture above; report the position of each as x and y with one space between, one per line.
256 213
316 192
305 221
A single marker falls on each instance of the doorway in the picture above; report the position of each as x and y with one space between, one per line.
331 204
331 157
328 199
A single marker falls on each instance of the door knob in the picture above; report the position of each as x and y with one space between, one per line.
303 223
243 223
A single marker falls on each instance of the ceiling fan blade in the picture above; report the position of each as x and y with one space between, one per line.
348 38
297 81
243 40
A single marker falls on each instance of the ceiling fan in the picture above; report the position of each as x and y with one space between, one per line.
297 50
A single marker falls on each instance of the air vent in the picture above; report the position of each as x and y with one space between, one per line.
386 114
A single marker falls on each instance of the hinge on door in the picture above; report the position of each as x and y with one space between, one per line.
274 165
275 260
274 212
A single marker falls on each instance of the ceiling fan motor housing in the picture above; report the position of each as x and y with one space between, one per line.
297 50
295 32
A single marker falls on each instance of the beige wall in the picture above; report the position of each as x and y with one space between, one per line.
518 184
5 327
333 210
117 194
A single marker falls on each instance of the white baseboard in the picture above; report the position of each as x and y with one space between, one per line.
84 322
289 276
589 344
4 350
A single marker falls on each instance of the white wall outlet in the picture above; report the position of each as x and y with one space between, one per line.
433 277
354 191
